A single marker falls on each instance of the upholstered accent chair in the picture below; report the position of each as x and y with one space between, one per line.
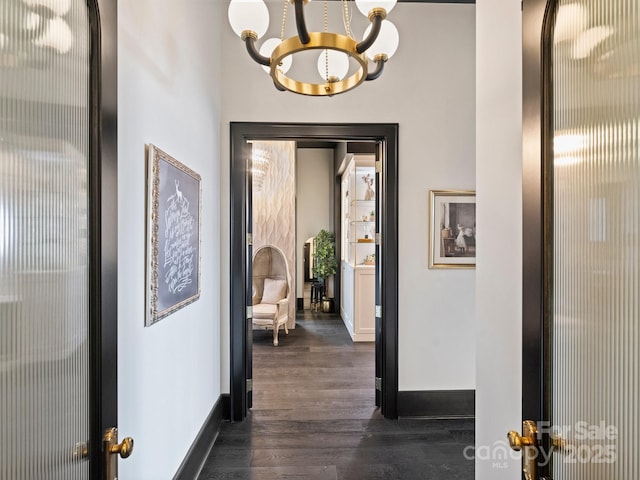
271 290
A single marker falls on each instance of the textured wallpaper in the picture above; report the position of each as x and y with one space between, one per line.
274 208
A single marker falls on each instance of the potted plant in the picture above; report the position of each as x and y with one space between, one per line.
324 262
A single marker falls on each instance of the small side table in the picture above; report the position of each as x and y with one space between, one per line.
317 292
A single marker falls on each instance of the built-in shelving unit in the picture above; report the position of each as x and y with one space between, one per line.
358 247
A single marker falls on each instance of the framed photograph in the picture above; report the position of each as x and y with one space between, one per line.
452 229
173 235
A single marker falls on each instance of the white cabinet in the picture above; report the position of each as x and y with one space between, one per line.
358 249
358 309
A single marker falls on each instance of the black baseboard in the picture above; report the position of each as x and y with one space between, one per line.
194 460
300 304
437 403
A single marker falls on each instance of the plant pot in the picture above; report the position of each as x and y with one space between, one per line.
327 305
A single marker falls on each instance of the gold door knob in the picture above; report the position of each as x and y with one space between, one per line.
112 449
527 439
517 441
528 443
124 448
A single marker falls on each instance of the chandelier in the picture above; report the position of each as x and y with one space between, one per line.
260 160
343 63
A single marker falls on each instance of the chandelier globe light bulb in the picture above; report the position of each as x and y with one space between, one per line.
333 64
267 49
249 15
387 42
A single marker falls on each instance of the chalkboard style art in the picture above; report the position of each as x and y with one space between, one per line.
173 235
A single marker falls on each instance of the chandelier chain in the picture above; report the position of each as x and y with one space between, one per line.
284 19
326 51
347 21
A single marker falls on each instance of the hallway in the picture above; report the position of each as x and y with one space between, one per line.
314 418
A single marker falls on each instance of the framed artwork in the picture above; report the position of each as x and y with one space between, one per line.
452 229
173 235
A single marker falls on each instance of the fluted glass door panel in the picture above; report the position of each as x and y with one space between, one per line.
44 301
595 296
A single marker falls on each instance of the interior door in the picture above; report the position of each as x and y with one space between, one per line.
581 325
249 277
57 244
378 267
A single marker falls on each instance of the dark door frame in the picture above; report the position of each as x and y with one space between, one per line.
103 231
240 134
538 18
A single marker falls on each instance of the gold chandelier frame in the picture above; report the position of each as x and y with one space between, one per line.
306 41
324 41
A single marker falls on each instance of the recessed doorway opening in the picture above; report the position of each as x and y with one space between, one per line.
384 137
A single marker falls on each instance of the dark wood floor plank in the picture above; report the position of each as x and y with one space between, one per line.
337 440
312 414
327 472
378 424
313 418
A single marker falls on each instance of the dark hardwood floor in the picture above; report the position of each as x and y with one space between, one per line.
313 418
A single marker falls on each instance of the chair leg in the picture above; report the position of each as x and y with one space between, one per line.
286 329
275 335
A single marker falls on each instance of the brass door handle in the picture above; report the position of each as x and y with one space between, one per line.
558 442
529 442
124 448
111 449
517 441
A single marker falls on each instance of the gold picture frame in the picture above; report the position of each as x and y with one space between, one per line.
452 229
173 235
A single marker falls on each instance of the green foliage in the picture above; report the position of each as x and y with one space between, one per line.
324 257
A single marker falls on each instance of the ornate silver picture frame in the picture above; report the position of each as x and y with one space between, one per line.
173 235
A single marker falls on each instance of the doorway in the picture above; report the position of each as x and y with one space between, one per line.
386 137
581 240
58 281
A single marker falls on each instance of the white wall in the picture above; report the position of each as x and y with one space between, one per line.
428 87
169 95
314 200
499 268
